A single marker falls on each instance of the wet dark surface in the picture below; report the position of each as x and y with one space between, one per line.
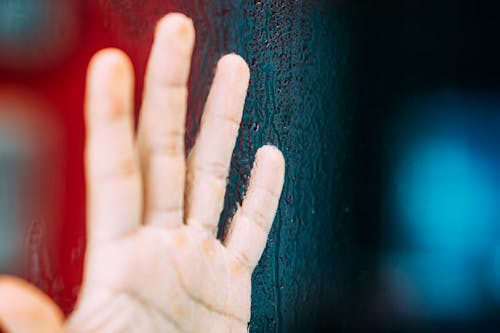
327 78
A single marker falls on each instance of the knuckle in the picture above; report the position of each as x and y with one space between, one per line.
167 143
230 120
215 168
126 168
256 217
122 168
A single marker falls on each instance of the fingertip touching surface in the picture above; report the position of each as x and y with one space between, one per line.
110 82
177 31
270 164
108 63
234 65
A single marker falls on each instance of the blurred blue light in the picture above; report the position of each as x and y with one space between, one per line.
448 196
445 194
443 283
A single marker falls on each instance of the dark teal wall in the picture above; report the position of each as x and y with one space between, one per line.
328 78
299 58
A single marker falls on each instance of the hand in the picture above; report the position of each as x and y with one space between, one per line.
153 261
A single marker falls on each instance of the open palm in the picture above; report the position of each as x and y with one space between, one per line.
153 262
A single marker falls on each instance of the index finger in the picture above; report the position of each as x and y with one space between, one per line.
112 170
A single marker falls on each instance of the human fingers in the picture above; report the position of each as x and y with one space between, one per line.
210 159
162 122
250 226
112 168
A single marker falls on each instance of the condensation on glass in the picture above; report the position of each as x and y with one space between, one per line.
296 75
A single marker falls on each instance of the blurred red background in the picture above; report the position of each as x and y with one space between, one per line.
46 47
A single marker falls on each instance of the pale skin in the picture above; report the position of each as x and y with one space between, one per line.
153 262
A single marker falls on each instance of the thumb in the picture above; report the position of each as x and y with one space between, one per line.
26 309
